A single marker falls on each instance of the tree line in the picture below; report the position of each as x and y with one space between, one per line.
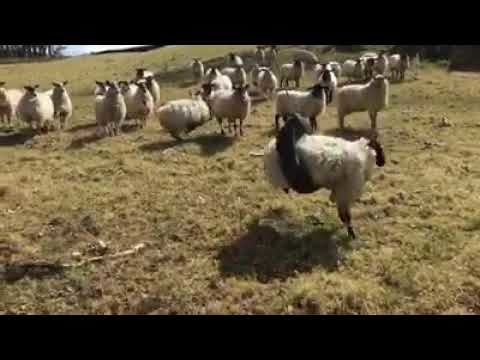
30 51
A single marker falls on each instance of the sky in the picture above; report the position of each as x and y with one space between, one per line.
83 49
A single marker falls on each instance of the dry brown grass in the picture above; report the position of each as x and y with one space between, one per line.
209 218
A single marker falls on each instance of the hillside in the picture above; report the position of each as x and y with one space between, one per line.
218 239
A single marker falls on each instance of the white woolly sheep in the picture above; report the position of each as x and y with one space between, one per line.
139 101
36 109
292 72
8 103
234 60
267 83
219 81
399 64
183 116
62 103
232 105
306 163
110 109
372 97
236 74
154 88
328 80
198 70
311 104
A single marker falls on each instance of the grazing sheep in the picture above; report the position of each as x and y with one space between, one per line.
143 74
232 105
236 74
8 103
328 80
399 64
139 101
62 103
219 81
306 163
111 109
183 116
311 104
154 88
372 97
260 56
381 67
36 109
292 72
234 60
267 83
198 70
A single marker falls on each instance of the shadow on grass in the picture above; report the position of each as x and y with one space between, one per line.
82 127
273 248
12 138
209 144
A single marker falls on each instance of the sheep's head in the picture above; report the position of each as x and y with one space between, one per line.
318 90
242 91
59 88
370 62
379 152
326 76
32 90
232 56
113 88
380 81
142 85
141 73
297 63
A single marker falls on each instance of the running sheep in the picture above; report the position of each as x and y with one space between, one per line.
305 163
36 109
62 103
110 109
8 103
311 104
372 97
138 100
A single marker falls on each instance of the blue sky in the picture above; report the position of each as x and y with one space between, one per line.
82 49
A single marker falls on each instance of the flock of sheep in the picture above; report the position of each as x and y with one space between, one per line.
297 159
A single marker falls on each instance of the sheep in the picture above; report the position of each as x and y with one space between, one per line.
154 88
36 109
219 81
102 121
110 109
8 103
310 103
139 101
183 116
369 68
399 64
143 74
267 82
349 69
232 105
271 57
100 89
381 67
306 164
372 97
329 80
236 74
292 72
62 103
255 74
198 70
337 68
260 56
234 60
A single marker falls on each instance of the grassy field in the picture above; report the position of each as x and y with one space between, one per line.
210 221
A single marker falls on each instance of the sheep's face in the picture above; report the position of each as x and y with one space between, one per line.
124 87
142 85
380 81
379 152
113 88
297 64
318 91
141 73
31 91
101 88
59 88
242 92
327 76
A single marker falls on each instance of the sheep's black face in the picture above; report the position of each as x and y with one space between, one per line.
375 145
326 77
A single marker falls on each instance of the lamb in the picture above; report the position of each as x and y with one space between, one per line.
399 64
381 67
198 70
306 163
154 88
328 80
372 97
232 105
267 82
292 72
234 60
36 109
110 109
62 103
8 103
139 101
143 74
184 116
260 56
236 74
219 81
310 103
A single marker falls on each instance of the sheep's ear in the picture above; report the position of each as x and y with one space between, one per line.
2 83
55 84
65 83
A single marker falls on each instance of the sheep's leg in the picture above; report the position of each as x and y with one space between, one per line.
297 83
277 121
313 124
346 218
341 121
220 123
241 127
373 118
235 127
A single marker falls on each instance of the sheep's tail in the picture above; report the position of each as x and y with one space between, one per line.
293 166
